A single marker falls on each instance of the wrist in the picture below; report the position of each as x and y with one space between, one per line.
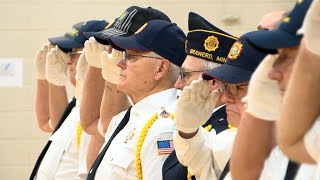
188 135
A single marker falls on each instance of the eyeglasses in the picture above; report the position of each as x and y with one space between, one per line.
186 74
75 54
132 57
233 89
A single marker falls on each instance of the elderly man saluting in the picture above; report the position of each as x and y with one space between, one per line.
139 139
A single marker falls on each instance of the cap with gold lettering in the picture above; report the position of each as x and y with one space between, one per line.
206 41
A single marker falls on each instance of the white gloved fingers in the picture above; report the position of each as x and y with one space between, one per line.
185 94
196 89
205 89
110 69
264 97
212 100
40 62
62 56
56 67
81 67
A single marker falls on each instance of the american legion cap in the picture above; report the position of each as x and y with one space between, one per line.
75 38
206 41
286 34
129 22
162 37
242 60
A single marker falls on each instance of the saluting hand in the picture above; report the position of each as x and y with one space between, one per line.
195 106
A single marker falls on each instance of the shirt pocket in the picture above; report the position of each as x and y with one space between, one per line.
122 158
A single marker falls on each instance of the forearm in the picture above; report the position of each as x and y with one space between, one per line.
57 103
42 105
252 132
113 102
196 153
301 105
91 100
94 146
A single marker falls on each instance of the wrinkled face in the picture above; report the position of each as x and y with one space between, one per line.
231 96
72 61
137 72
192 69
282 67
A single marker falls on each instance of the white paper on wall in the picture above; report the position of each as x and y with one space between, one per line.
11 72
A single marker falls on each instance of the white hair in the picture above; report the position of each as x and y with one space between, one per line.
174 73
210 65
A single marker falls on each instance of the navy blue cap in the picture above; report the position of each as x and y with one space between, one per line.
286 34
162 37
75 38
129 22
243 59
206 41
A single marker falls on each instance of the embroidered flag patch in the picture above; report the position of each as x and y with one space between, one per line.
165 147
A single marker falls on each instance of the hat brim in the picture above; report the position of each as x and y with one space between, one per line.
65 43
228 74
103 36
122 43
273 40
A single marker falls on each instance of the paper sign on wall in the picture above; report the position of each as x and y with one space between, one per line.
11 72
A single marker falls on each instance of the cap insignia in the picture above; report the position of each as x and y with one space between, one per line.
235 50
211 43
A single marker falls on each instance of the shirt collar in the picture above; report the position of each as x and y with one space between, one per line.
154 102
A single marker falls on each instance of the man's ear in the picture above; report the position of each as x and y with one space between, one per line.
162 69
214 85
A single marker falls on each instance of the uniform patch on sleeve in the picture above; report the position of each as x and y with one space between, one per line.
165 147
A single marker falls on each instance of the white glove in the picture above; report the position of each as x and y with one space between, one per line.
311 27
81 70
110 70
195 106
264 98
312 141
56 67
40 62
93 51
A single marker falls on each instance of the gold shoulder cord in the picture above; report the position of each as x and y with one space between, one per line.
207 128
141 139
79 132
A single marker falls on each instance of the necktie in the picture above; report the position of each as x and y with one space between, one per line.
65 114
97 162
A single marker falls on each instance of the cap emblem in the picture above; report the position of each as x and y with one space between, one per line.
235 50
211 43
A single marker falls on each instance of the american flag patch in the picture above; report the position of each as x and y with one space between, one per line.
165 147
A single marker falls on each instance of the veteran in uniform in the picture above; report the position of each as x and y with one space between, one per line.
63 157
267 87
207 153
100 103
207 47
139 139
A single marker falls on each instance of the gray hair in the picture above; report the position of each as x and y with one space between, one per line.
210 65
174 73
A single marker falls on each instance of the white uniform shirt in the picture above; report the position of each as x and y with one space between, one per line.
207 153
119 162
275 167
312 141
61 161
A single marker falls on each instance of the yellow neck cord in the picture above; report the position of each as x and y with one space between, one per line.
141 139
79 132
